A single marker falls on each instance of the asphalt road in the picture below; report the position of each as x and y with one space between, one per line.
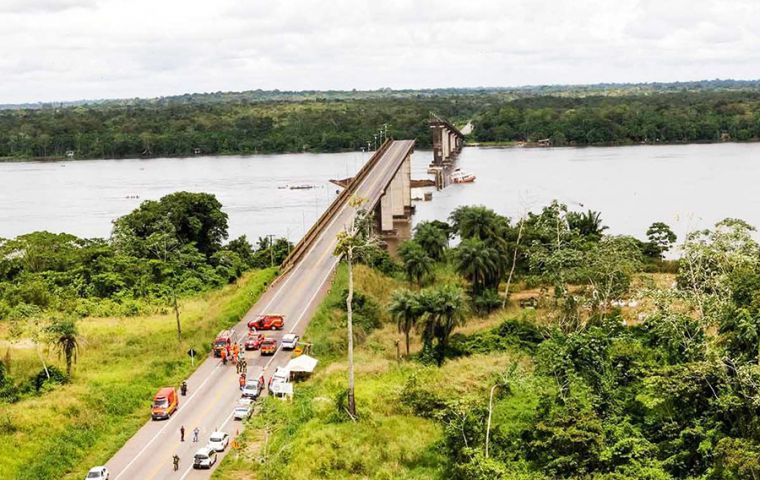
213 389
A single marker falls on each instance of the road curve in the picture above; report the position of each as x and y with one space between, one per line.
213 389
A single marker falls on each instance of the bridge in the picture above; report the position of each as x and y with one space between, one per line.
447 141
213 388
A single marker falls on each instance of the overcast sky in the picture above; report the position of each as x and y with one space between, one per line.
75 49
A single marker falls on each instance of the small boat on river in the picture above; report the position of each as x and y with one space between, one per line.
459 176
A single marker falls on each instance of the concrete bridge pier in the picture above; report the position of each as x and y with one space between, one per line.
396 202
447 141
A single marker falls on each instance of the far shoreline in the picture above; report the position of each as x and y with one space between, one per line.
494 145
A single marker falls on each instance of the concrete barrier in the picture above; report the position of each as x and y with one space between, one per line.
303 245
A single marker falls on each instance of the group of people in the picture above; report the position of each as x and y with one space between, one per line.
241 366
232 354
196 432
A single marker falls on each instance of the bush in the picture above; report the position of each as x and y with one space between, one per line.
366 313
41 380
486 301
513 333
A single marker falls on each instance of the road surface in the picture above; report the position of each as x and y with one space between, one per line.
213 389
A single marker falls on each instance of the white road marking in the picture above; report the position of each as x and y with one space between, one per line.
221 428
366 184
168 422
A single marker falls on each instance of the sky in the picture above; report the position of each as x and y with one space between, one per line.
57 50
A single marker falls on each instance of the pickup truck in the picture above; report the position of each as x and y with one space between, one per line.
267 322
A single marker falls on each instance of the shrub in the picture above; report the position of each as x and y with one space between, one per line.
486 301
57 377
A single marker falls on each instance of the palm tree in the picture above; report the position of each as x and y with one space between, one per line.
405 308
417 264
432 239
478 263
443 309
451 314
477 222
587 224
64 339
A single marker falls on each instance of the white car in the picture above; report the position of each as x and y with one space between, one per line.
289 341
218 441
242 412
204 458
251 389
98 473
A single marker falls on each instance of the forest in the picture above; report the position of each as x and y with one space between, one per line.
277 122
534 348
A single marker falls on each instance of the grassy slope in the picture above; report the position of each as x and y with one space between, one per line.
122 362
310 438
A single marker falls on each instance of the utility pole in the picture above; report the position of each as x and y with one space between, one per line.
271 250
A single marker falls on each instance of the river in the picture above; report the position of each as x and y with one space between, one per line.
686 186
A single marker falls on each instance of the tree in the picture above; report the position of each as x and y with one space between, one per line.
417 264
478 222
588 224
354 238
433 239
196 219
163 245
64 333
442 310
405 308
661 240
478 263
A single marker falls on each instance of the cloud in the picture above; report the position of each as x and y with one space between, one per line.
72 49
43 6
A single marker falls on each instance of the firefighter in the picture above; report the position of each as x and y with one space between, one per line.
224 357
241 380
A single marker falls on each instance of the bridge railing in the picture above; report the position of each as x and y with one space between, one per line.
303 245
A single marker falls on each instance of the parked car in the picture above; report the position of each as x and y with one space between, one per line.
242 412
251 389
267 322
218 441
165 402
253 341
268 346
204 458
98 473
289 341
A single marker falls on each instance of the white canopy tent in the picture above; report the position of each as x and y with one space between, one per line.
302 364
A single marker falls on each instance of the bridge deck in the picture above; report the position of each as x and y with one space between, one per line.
213 389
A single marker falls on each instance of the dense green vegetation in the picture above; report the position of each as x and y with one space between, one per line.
270 122
663 118
163 251
62 430
614 374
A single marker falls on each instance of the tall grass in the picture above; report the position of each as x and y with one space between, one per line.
312 437
123 361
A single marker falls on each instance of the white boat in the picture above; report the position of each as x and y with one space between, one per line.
459 176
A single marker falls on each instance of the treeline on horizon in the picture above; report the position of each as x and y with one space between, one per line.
280 122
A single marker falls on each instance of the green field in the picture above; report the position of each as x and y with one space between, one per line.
122 361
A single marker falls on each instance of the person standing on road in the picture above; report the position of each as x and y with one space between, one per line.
175 460
223 354
195 434
182 433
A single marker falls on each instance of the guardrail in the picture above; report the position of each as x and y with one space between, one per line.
311 235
